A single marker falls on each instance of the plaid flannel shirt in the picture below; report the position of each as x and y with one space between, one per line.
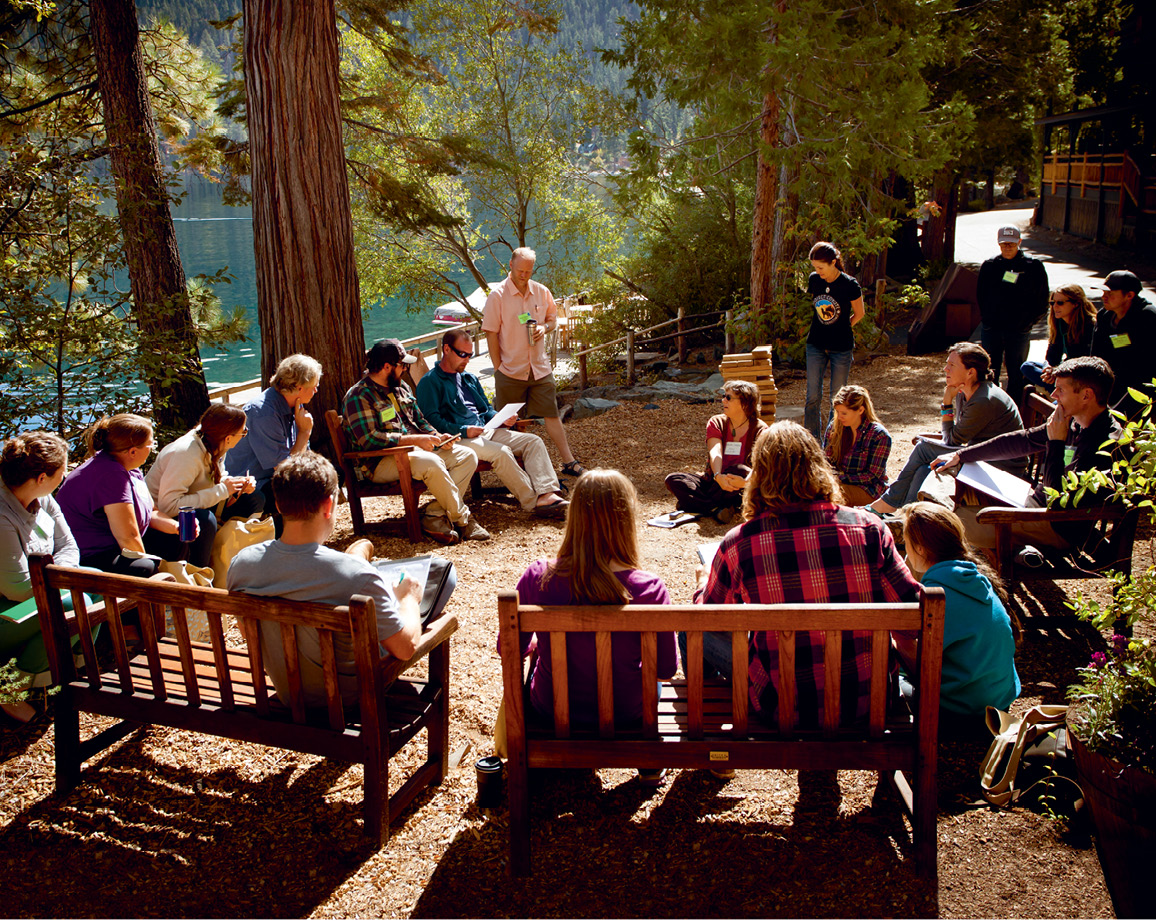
866 464
372 421
810 553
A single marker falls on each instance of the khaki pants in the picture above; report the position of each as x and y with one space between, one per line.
1039 535
502 448
446 474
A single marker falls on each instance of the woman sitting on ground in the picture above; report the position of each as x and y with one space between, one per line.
857 446
596 564
974 409
1071 320
799 546
978 640
190 473
718 491
108 505
31 467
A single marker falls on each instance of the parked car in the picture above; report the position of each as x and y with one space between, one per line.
450 315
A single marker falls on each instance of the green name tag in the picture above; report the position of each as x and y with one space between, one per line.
1010 277
1069 455
523 318
1121 340
388 414
40 529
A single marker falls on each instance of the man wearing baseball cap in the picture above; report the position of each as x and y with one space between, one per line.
380 411
1012 292
1125 337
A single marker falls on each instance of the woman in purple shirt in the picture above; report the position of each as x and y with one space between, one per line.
597 564
108 506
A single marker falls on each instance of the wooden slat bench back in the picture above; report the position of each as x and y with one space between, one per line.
171 680
693 723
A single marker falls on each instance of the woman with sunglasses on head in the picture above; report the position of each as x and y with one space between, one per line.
1071 320
190 473
108 506
718 491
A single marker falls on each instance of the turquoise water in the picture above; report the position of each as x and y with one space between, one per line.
212 236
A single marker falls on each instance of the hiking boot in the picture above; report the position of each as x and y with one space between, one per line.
725 515
438 528
471 530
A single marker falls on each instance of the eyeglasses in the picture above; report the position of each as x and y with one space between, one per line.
726 396
1058 301
460 353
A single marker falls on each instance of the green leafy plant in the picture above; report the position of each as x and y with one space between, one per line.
1114 700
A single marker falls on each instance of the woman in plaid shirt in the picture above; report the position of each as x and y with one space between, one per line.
799 545
858 446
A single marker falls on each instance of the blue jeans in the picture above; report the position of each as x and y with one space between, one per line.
1033 373
817 362
716 654
904 489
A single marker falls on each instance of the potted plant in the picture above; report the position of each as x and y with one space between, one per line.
1112 718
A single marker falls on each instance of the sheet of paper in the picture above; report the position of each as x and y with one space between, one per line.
416 567
706 553
672 519
998 484
505 414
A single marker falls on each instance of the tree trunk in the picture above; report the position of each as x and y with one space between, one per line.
936 223
763 223
308 296
170 360
950 218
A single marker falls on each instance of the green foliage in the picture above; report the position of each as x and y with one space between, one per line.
466 163
69 348
1116 693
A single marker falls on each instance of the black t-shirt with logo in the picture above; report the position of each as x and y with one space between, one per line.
831 319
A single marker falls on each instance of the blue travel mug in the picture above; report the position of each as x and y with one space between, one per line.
187 524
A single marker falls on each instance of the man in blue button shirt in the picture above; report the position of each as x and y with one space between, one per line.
453 402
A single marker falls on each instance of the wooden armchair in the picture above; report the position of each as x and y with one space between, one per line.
406 486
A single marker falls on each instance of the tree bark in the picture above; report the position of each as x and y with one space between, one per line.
763 223
170 359
308 294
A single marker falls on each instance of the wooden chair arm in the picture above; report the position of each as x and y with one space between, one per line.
1012 516
436 632
380 452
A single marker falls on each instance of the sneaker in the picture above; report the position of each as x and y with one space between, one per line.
439 529
652 777
471 530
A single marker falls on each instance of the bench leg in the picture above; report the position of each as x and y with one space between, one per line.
376 789
438 729
67 733
923 821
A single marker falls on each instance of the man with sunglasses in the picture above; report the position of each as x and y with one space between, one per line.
453 401
380 412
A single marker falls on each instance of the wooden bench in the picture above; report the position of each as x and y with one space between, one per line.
695 724
222 691
405 485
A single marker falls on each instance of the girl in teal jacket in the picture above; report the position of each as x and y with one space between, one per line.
978 643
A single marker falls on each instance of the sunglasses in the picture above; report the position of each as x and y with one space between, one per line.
725 397
1058 301
460 353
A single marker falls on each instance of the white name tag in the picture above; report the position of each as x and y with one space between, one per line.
733 449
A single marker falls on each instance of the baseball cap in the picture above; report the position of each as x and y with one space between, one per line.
1008 234
387 352
1122 281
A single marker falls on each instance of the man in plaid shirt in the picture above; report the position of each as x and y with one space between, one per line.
381 412
799 546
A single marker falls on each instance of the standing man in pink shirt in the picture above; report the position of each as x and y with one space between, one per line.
518 314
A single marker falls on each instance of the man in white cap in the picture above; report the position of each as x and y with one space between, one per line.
1012 292
381 412
1125 337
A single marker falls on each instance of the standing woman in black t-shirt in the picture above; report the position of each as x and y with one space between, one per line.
837 301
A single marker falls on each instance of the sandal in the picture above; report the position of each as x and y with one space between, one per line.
574 468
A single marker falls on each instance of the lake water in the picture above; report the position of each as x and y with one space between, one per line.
211 236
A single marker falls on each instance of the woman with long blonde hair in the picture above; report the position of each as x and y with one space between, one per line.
858 446
1071 321
597 563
